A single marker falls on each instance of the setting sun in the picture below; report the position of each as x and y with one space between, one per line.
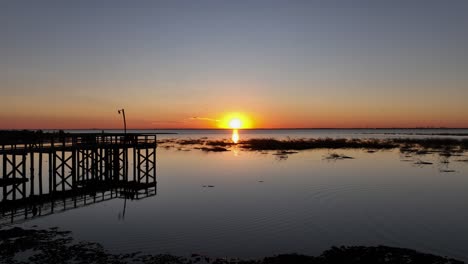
235 123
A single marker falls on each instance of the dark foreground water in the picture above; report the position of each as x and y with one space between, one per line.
255 204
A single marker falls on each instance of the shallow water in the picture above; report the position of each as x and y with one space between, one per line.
263 205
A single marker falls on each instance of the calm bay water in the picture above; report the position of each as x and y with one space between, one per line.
261 205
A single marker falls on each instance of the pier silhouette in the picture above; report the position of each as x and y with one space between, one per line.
43 173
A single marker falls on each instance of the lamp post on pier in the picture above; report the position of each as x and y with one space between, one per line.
122 111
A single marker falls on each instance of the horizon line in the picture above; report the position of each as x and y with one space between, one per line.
282 128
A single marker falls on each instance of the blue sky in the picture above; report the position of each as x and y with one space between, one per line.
284 63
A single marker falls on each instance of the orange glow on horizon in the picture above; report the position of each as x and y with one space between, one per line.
256 118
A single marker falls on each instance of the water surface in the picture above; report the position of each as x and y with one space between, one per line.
263 205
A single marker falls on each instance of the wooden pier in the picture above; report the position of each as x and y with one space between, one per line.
48 168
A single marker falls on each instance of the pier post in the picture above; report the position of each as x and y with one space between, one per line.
4 174
63 162
14 176
50 173
31 192
74 168
154 160
40 172
147 166
23 161
135 160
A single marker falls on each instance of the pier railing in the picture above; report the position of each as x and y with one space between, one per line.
76 140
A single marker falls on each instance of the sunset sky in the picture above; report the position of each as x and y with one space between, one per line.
191 64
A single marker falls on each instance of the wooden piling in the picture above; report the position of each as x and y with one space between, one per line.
31 192
4 175
40 173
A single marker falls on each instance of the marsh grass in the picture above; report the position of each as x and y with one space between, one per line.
314 143
407 146
212 149
191 141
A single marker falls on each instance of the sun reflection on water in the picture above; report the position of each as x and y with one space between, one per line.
235 136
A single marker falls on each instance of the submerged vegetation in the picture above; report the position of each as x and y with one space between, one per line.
19 245
336 156
411 150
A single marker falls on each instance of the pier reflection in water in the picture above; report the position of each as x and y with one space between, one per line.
45 174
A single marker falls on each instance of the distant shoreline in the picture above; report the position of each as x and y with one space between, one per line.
117 129
363 131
